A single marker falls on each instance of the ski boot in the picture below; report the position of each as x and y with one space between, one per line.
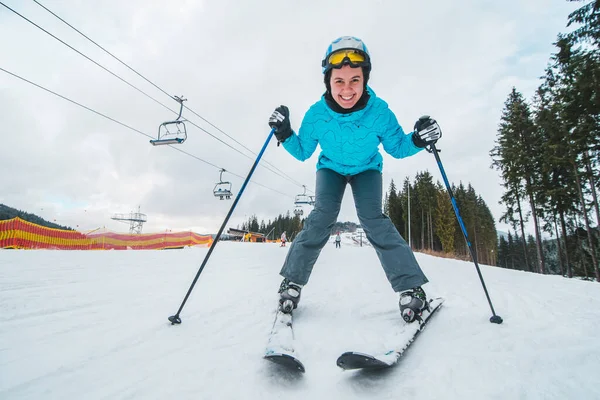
412 304
289 296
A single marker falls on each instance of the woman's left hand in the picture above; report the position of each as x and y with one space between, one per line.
427 132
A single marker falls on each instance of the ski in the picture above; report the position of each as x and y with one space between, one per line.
355 360
280 348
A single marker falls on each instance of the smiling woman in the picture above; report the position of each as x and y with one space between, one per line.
349 122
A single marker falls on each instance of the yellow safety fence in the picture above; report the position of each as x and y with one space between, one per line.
19 234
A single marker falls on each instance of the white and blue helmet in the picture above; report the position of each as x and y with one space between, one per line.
347 43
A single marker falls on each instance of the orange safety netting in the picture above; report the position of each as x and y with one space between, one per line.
19 234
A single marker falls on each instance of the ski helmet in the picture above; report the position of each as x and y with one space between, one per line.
356 55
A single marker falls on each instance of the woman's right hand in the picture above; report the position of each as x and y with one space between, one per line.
280 121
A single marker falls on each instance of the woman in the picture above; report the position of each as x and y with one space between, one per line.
349 122
283 239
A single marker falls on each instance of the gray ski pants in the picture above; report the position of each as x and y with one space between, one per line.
396 257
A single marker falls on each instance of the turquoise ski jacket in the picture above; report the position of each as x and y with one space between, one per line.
350 142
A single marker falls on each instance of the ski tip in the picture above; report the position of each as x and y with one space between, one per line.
354 360
285 360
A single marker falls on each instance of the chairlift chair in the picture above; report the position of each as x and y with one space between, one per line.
172 132
298 211
303 198
222 189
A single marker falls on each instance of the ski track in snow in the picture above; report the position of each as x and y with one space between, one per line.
93 325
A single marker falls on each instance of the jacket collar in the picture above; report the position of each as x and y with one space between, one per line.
353 115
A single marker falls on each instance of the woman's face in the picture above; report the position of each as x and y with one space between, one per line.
347 85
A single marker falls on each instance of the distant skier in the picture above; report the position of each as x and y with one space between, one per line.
349 122
338 241
283 239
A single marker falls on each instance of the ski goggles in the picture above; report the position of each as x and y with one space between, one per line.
354 58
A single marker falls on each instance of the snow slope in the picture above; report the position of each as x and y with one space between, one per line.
93 325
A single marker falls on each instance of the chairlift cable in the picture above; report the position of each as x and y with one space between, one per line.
88 58
106 51
133 86
117 76
76 103
285 176
131 128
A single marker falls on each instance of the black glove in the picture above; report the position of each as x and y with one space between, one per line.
427 132
280 121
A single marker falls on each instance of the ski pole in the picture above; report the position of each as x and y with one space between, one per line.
175 319
496 319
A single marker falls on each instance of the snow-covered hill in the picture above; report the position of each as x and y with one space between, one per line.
93 325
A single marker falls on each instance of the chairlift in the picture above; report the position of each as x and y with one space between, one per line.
222 189
303 198
298 211
172 132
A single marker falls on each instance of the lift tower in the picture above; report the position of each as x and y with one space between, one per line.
135 220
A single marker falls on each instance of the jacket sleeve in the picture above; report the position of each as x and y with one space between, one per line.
303 144
395 142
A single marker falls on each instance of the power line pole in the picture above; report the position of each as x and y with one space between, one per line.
408 196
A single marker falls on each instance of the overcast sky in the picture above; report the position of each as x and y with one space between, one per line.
235 61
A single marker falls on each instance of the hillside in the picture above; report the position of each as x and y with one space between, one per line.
95 327
7 212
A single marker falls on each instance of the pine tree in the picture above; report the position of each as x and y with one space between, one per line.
407 199
516 155
425 205
394 208
444 220
578 71
588 17
557 177
488 236
503 253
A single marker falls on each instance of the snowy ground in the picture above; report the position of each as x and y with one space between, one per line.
93 325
